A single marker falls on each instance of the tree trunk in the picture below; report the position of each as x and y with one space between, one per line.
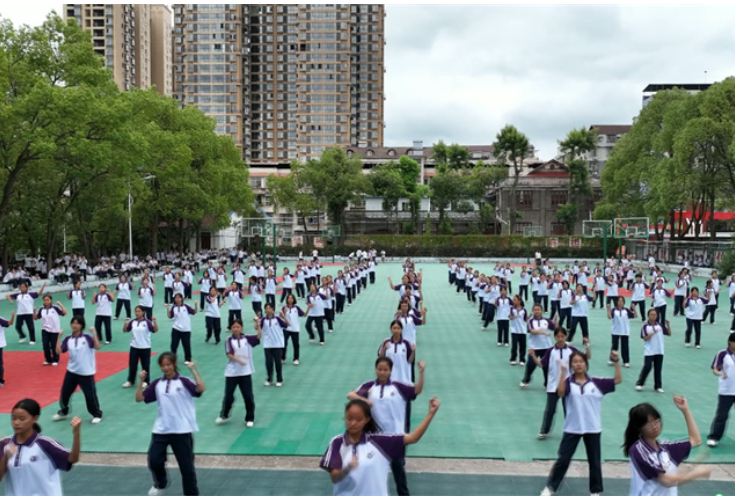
712 229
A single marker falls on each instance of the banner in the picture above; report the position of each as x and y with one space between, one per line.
575 242
553 242
718 256
318 242
297 241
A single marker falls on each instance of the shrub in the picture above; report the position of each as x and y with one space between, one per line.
727 265
409 227
445 226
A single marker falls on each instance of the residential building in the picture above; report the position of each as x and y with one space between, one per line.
284 81
123 35
607 137
653 88
161 35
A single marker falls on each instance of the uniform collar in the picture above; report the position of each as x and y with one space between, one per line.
28 442
346 439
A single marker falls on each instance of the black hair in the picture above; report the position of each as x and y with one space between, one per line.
45 295
384 359
31 407
371 427
731 338
695 288
577 354
141 309
523 304
638 417
169 356
560 329
79 319
290 295
396 322
268 304
236 322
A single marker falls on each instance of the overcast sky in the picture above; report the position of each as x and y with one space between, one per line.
460 73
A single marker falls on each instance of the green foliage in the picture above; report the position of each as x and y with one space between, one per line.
577 143
726 267
464 207
481 178
446 189
454 156
427 226
567 213
473 228
511 146
409 227
487 216
445 226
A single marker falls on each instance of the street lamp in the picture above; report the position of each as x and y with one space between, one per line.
130 214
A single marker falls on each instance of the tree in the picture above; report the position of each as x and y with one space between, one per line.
454 156
577 144
386 182
481 178
446 189
511 146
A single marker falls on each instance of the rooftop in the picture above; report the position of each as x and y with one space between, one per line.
611 129
658 87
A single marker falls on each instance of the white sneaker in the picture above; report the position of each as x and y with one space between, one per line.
523 386
311 341
58 417
610 363
522 363
699 347
96 420
54 364
296 362
541 436
639 388
499 344
594 494
22 341
31 343
107 343
267 384
127 384
331 331
547 492
506 345
711 443
46 363
279 384
513 363
627 365
484 328
154 492
687 345
660 391
321 344
220 420
249 425
713 323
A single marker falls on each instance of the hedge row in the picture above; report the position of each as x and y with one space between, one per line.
457 246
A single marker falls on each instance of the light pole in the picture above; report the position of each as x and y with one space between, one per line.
130 215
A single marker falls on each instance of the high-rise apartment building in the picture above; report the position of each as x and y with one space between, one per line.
162 57
284 81
123 35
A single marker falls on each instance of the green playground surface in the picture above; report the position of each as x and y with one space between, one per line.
484 413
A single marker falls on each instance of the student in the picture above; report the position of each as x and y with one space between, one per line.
654 465
104 300
620 317
188 279
273 343
206 285
710 297
503 308
551 363
539 333
371 270
175 423
598 287
181 330
359 460
24 311
270 289
239 371
400 351
693 310
341 284
177 286
212 318
492 292
565 304
328 291
238 277
583 396
542 292
518 330
4 323
461 277
639 295
80 370
168 284
410 319
300 281
580 311
286 284
141 329
555 290
145 298
256 300
31 462
652 334
680 293
611 289
77 297
315 314
724 367
731 293
50 328
293 312
388 401
452 265
221 278
234 296
123 290
658 300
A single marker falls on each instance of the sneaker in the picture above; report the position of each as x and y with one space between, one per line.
523 385
22 341
711 443
267 384
541 436
127 385
46 363
639 388
54 364
547 492
96 420
484 328
499 344
296 362
687 345
522 363
594 494
660 391
107 343
311 341
627 365
249 425
331 331
698 347
513 363
610 363
321 344
279 384
154 492
31 343
713 323
2 385
506 345
59 417
220 421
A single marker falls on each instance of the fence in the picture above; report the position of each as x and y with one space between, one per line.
698 253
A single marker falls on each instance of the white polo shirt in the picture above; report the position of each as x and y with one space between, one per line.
77 298
287 281
584 404
680 287
241 348
388 403
503 306
272 329
24 302
212 307
409 322
694 308
82 359
255 292
293 314
540 341
654 345
317 305
399 352
234 297
565 297
178 287
176 410
646 464
182 317
725 362
518 323
168 280
639 291
104 304
145 294
326 292
3 325
374 452
581 306
552 361
270 285
659 296
35 468
123 291
206 285
51 318
621 321
141 333
221 280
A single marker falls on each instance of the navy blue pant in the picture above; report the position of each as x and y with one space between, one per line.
28 320
183 447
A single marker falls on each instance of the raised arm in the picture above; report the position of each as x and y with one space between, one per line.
419 432
695 438
420 383
197 378
618 374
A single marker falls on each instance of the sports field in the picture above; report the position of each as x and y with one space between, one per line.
484 413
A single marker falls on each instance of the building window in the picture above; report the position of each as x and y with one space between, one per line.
391 152
558 228
524 199
558 198
520 226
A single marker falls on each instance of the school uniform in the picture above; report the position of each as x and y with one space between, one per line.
256 301
611 289
174 426
300 283
374 452
582 422
3 343
653 350
556 287
492 293
551 362
711 306
400 353
693 310
77 298
599 291
328 306
181 329
539 343
461 278
371 271
542 294
140 348
621 331
647 463
145 300
639 297
270 291
273 344
123 299
103 318
234 298
659 296
518 331
80 372
680 292
316 315
179 288
24 314
580 312
206 286
50 329
238 277
35 469
388 406
238 375
287 287
731 294
188 280
503 306
452 274
341 295
292 331
212 319
565 307
168 290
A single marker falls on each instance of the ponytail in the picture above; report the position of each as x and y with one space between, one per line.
37 428
638 417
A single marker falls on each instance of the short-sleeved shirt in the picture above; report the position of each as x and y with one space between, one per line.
654 345
77 298
51 318
388 403
104 304
241 348
182 317
35 468
725 362
272 331
176 410
141 333
584 404
399 352
81 354
552 361
146 296
540 341
24 302
621 321
123 291
646 464
374 453
409 322
694 308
